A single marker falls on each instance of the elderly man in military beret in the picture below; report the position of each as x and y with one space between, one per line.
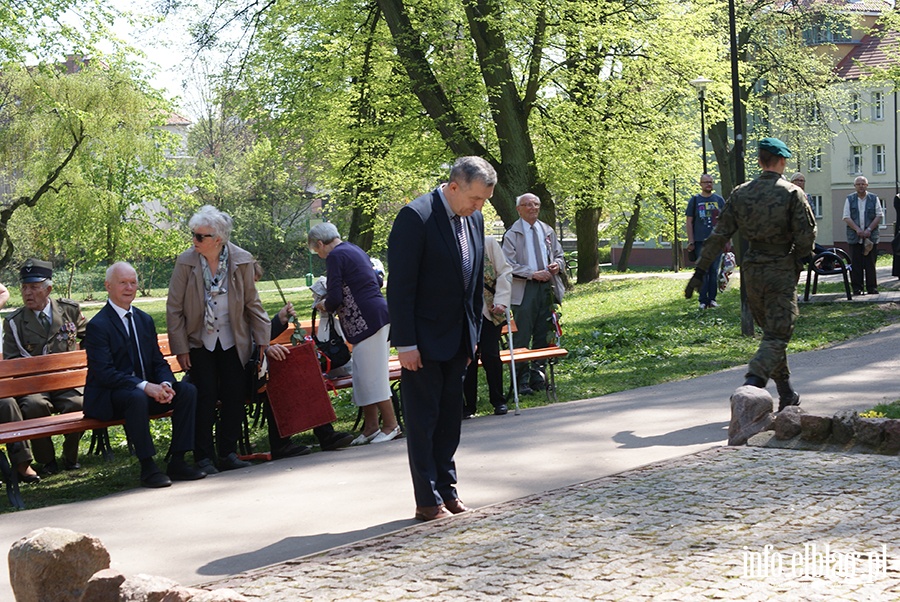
773 216
43 326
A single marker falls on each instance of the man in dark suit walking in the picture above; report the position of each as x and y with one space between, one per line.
129 378
436 262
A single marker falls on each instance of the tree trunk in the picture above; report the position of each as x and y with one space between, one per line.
725 158
630 234
586 221
362 227
516 168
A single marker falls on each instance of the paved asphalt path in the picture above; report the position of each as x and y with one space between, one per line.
206 530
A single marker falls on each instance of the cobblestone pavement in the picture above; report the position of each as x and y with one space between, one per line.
693 528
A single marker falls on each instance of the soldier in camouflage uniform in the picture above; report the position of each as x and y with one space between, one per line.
43 326
777 222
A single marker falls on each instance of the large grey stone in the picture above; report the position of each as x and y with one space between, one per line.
815 428
220 595
843 426
54 564
870 431
103 586
150 588
751 413
787 422
891 437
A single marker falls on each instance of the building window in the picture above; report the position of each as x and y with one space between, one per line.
878 106
815 161
880 159
815 201
855 163
814 112
823 31
883 223
854 107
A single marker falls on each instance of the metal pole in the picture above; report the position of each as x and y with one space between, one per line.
703 126
512 361
896 176
739 174
676 248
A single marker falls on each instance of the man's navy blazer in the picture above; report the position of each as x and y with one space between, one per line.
426 300
109 360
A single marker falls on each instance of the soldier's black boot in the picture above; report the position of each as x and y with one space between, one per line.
755 381
786 394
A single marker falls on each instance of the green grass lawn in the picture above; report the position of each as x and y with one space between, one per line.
620 333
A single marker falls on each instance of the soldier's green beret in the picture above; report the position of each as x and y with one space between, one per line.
775 146
35 270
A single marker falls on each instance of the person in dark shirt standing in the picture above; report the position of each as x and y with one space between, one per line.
702 214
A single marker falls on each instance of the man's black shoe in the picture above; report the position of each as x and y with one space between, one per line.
336 441
525 391
784 402
49 468
291 450
232 462
182 471
72 465
500 410
155 480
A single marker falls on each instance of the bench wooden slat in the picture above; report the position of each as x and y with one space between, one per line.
529 355
37 383
61 424
55 362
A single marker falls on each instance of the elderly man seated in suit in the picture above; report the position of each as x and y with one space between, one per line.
42 326
129 378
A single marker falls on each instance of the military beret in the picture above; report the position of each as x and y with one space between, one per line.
775 146
35 270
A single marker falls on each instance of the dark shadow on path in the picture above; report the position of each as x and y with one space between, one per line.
694 435
294 547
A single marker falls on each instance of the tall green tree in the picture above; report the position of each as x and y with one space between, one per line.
49 29
83 162
783 79
384 94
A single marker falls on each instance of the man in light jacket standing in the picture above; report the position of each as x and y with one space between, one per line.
533 250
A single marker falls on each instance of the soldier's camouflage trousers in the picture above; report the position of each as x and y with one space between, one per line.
772 297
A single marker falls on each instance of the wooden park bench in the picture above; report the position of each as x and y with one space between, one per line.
23 376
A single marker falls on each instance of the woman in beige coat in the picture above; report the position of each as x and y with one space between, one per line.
213 315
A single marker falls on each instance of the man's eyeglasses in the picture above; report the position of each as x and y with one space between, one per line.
706 181
199 237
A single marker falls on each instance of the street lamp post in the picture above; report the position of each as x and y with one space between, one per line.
700 83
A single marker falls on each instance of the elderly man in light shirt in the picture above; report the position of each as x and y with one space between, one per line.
862 214
533 250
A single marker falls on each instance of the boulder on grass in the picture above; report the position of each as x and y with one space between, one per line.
751 413
54 564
